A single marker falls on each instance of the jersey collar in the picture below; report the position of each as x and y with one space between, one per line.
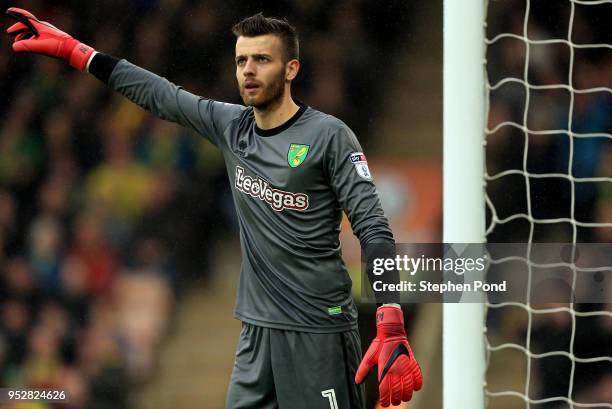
286 125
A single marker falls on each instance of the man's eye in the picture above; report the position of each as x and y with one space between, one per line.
262 59
240 61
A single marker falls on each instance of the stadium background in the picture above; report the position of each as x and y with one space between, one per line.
118 252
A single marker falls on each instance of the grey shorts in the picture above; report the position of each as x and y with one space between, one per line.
279 369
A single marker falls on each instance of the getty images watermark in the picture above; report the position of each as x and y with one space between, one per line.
493 272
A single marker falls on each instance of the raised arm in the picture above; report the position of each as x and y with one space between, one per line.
152 92
163 98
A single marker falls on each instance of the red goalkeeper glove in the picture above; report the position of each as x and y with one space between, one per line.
35 36
399 373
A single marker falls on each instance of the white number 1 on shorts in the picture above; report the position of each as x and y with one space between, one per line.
331 395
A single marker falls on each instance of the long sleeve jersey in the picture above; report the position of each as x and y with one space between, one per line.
290 186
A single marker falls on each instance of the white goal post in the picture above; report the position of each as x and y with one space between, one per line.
469 97
464 217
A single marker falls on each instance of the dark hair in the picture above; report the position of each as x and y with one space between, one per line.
258 25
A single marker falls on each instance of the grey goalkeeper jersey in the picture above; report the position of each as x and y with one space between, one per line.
290 186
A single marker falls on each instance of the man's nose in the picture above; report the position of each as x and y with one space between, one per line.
249 67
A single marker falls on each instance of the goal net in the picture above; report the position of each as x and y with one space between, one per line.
548 176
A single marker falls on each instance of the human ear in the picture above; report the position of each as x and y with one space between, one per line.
291 69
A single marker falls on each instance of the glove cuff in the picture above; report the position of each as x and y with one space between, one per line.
388 316
80 55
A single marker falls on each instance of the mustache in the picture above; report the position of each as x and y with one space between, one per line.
251 82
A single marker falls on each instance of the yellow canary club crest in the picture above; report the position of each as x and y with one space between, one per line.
297 154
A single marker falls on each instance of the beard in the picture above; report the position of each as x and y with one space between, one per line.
269 95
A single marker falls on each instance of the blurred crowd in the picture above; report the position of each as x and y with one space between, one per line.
106 212
578 144
586 114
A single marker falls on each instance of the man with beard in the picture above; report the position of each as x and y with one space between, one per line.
293 171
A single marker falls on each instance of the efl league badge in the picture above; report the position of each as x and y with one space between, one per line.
361 165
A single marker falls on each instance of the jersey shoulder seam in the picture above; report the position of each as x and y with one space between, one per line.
243 116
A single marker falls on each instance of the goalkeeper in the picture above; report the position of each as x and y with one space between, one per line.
293 170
